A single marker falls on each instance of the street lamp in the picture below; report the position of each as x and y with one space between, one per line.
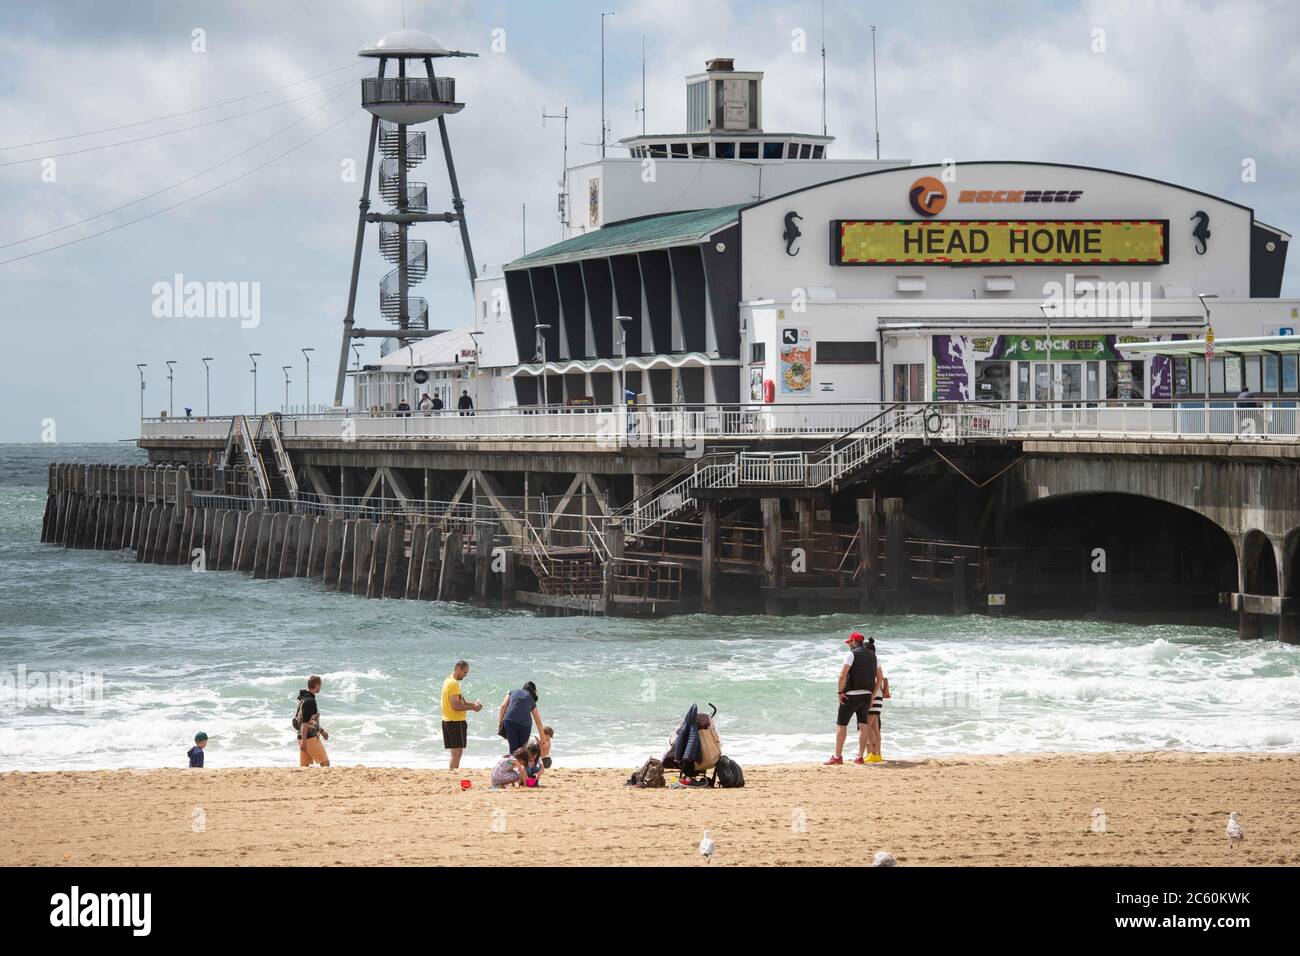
1209 351
171 365
307 356
140 367
252 357
356 354
473 337
286 385
623 321
541 329
207 383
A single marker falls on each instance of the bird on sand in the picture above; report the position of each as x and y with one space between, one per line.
1233 830
707 847
883 858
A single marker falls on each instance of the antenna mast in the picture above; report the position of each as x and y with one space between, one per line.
643 84
875 101
824 66
602 81
564 170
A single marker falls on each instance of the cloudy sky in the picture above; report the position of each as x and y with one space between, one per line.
1178 91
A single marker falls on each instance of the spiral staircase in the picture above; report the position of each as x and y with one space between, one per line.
415 199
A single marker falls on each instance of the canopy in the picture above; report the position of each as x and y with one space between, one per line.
1253 345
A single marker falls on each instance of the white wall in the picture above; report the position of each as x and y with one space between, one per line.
768 273
683 184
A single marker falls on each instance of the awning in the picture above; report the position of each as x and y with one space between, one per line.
638 363
1254 345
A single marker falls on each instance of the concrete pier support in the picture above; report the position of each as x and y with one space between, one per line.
430 565
182 553
709 556
396 571
482 565
411 587
362 543
894 599
223 540
315 566
347 549
1288 628
335 532
249 525
262 546
1249 626
378 563
289 547
773 565
448 564
959 585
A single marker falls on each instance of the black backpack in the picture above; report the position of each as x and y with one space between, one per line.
727 773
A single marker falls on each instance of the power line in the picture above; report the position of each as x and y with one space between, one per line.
183 129
180 182
182 202
197 109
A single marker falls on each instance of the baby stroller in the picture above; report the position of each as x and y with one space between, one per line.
695 748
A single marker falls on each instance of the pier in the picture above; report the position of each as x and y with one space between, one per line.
921 507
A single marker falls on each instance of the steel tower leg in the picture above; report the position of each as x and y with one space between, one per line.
356 260
458 204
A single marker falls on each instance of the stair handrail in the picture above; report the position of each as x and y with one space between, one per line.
248 445
282 459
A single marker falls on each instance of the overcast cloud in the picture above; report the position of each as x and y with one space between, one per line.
1183 92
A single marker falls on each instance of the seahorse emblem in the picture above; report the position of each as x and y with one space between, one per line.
792 233
1201 231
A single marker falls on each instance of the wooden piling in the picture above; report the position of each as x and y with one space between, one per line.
772 564
396 572
431 565
709 556
448 564
362 542
378 563
482 564
415 563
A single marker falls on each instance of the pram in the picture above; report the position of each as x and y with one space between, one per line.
695 748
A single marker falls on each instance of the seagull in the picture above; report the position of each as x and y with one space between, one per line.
882 858
1233 830
707 847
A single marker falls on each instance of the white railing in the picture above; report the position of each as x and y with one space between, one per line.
670 426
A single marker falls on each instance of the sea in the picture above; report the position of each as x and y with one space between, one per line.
108 664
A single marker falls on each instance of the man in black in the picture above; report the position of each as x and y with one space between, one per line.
857 684
311 734
465 404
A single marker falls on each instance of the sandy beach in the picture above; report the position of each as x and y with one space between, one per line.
1161 808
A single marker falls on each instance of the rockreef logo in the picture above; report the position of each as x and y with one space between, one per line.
928 196
1019 195
73 909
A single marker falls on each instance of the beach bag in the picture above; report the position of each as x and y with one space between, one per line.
728 774
297 715
710 747
650 775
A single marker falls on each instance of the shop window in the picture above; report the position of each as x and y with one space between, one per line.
846 352
1254 380
1182 369
773 150
700 150
749 150
1022 381
1125 381
993 381
909 383
758 351
1270 373
725 150
1289 368
679 150
1232 377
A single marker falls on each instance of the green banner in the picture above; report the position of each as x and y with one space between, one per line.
1064 347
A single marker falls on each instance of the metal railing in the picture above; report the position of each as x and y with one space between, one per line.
411 89
682 426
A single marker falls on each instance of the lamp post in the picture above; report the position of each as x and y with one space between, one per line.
207 384
1209 351
473 337
541 329
623 321
140 367
1051 391
253 356
286 385
356 358
171 365
307 357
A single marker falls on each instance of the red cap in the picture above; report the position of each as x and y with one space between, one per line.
855 636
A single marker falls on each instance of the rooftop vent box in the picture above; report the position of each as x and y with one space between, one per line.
721 64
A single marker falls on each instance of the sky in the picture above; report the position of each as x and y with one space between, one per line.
1186 92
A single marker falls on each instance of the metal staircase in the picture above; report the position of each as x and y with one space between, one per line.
836 464
402 153
262 453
